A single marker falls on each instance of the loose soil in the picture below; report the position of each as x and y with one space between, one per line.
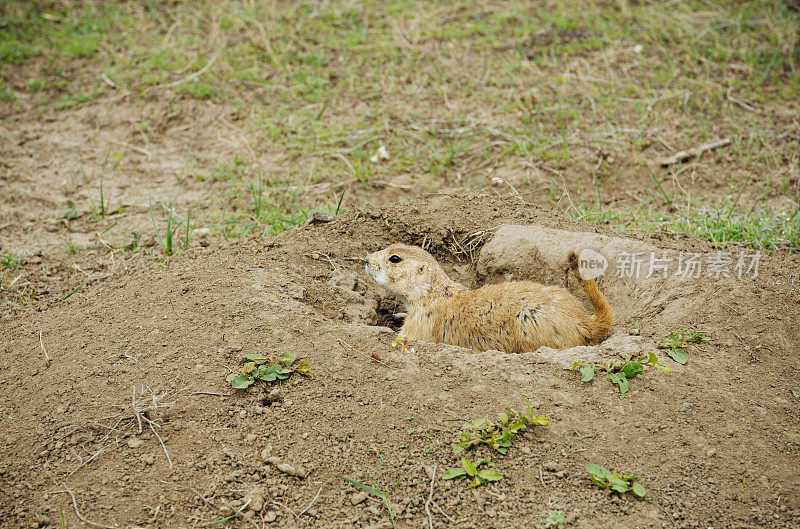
715 442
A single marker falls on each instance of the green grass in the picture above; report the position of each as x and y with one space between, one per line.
723 226
9 259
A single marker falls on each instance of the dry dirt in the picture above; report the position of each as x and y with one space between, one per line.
715 442
45 153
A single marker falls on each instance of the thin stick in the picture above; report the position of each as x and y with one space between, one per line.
696 151
428 502
88 460
284 506
150 424
126 355
310 504
80 517
541 478
346 161
41 343
210 393
188 78
444 513
135 411
740 102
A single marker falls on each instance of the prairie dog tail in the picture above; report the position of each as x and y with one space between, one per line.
602 319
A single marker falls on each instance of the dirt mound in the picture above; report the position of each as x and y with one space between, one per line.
714 442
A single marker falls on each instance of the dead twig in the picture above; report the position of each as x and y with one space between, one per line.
284 506
41 343
696 151
428 502
741 103
444 513
188 78
160 440
86 462
310 504
78 513
126 355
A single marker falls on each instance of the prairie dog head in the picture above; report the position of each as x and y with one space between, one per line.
409 272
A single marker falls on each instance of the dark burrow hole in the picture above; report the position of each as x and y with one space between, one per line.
387 308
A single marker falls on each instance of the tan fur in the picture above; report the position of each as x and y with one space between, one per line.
514 317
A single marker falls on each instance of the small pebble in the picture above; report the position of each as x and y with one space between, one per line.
148 459
358 497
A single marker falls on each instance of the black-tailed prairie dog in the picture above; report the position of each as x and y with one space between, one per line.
514 317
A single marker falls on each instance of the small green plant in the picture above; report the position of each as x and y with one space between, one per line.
167 242
375 490
264 368
620 372
614 482
36 84
238 167
675 343
97 212
9 259
555 519
472 470
498 435
72 212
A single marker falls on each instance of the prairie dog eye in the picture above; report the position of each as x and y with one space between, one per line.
395 259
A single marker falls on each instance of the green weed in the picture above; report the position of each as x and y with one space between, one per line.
620 372
675 343
237 168
36 84
263 368
472 470
556 519
9 259
168 240
614 482
497 435
376 491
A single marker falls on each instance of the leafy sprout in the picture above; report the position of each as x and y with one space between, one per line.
497 435
620 372
267 369
472 470
676 342
612 481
